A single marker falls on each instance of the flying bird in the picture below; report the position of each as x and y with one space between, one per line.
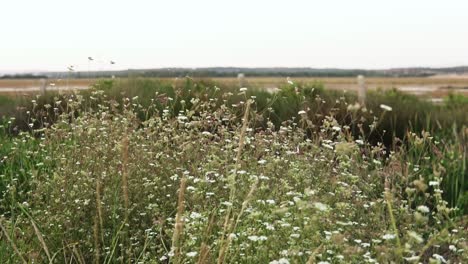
112 62
90 58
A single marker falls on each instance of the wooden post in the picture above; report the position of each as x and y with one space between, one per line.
362 89
43 85
241 78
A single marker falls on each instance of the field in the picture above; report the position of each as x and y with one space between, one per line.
431 87
199 171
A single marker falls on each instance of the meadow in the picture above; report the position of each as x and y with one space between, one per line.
202 171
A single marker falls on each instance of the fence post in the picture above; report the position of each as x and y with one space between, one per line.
241 78
362 89
43 85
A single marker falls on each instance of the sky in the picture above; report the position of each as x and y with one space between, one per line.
370 34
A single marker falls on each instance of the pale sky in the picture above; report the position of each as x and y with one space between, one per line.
52 34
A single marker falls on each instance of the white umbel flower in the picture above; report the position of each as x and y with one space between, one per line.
386 107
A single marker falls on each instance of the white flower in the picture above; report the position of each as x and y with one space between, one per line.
386 107
262 161
388 236
321 206
257 238
439 258
336 128
206 133
243 89
195 215
453 248
433 183
181 118
280 261
416 236
302 112
191 254
423 209
412 258
295 235
323 262
360 142
327 146
269 226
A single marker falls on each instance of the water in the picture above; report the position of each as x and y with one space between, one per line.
39 89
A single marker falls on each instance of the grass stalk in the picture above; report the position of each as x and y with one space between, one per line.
389 200
41 240
15 248
179 222
232 184
125 144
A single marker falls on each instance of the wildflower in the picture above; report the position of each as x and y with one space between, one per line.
195 215
257 238
262 161
181 118
302 112
433 183
415 236
280 261
386 107
321 206
360 142
423 209
388 236
191 254
327 146
439 258
243 89
412 258
323 262
206 133
336 128
354 107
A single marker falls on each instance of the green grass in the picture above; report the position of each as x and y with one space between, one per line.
151 171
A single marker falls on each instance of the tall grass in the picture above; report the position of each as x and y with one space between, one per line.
188 172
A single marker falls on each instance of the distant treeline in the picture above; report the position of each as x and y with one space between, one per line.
249 72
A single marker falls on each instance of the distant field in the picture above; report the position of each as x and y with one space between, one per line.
431 87
434 87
